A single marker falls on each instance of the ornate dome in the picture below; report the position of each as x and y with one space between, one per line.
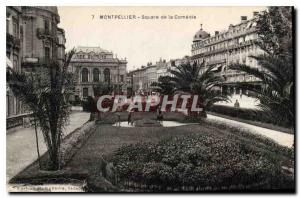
200 35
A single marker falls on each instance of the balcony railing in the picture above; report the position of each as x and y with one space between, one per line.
230 47
216 61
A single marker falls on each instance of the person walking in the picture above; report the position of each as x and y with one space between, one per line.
118 119
129 118
159 116
236 104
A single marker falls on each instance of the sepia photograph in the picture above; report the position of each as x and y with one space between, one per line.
150 99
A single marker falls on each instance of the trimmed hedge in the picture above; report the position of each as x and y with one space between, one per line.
197 162
246 114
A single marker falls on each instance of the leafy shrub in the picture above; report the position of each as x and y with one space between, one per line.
247 114
199 161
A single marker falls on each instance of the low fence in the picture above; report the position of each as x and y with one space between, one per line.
17 120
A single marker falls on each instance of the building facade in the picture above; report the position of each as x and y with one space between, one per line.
43 40
93 66
234 45
13 54
143 77
32 40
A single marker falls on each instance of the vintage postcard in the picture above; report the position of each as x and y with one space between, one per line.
150 99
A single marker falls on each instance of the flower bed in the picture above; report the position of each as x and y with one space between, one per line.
196 163
74 141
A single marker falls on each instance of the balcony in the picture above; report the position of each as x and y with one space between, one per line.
241 44
43 33
216 62
29 62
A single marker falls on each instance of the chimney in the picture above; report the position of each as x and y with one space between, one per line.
216 32
255 14
243 19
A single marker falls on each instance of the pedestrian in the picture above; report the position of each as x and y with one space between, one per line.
236 104
118 119
132 118
159 116
129 118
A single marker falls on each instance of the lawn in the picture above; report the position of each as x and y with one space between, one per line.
108 141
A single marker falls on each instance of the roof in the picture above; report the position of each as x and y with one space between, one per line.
52 9
96 50
200 35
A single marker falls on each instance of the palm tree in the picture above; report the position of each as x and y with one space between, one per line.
188 78
46 92
164 85
277 92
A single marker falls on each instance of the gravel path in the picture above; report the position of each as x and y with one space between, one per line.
21 146
281 138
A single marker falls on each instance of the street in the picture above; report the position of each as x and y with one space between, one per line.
21 144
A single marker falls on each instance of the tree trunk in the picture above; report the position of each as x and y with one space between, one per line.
37 144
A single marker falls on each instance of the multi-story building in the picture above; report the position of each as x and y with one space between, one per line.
13 54
138 80
143 78
43 40
32 40
234 45
150 76
161 68
93 66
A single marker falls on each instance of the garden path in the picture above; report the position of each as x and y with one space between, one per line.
282 138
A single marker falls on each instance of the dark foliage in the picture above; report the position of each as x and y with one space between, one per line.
199 161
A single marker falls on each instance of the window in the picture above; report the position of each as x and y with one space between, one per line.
122 78
46 26
47 54
107 75
85 92
96 75
84 75
15 62
15 28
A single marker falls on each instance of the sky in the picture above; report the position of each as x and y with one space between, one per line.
145 40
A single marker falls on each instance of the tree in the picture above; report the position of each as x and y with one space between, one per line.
275 30
46 91
188 78
276 95
164 85
103 88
